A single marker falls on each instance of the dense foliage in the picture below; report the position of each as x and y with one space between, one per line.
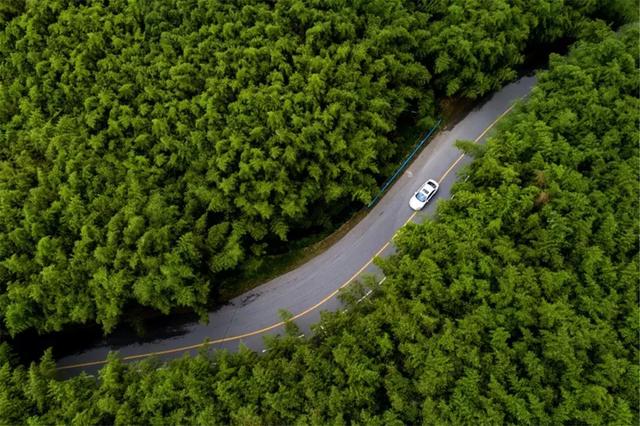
147 147
518 305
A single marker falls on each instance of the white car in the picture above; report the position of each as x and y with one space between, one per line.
423 195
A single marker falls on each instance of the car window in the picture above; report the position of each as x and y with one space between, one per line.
421 197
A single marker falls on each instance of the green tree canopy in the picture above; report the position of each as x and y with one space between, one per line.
518 304
146 148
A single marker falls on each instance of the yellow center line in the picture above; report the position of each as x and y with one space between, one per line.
301 314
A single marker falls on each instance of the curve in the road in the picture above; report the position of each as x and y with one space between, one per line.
519 89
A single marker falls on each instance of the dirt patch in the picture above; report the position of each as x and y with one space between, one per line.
455 109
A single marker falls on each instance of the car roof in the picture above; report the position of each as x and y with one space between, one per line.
427 188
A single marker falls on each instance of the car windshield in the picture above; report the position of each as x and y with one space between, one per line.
431 184
421 197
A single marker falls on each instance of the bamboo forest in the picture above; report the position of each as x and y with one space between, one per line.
151 149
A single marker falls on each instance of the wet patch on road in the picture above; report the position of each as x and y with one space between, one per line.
249 298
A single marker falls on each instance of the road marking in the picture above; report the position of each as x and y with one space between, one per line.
364 297
455 163
301 314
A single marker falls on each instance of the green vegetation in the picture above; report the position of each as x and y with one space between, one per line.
518 305
147 147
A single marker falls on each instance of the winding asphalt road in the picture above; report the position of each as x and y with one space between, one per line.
313 287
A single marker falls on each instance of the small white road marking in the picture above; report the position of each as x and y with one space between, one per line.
364 297
369 292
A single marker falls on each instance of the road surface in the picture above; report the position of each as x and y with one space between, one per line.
313 286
